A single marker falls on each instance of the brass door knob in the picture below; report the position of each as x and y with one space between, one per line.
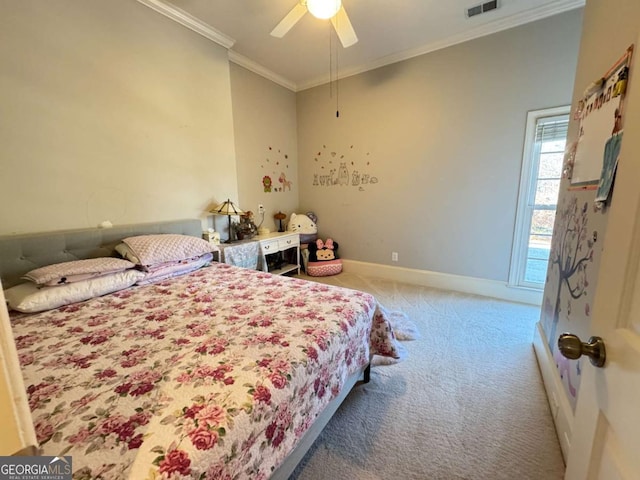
573 348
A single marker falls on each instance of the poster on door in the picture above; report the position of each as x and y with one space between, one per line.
601 114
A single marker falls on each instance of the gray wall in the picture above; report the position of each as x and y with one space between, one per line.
113 112
443 135
110 111
264 119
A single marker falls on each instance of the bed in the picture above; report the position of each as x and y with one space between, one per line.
221 373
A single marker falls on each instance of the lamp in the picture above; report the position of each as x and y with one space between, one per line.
323 9
227 208
280 216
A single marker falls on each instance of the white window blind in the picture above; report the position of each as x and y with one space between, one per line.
549 130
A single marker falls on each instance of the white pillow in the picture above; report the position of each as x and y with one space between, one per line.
30 298
75 270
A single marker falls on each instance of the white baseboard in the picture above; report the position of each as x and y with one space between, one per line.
445 281
560 407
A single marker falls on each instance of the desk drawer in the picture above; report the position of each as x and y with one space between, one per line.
269 246
285 243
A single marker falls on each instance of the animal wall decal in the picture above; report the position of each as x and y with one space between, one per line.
275 165
337 172
343 174
285 183
266 183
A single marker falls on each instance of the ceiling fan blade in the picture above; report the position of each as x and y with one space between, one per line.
289 21
344 29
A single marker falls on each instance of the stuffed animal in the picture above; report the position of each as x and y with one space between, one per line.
320 251
323 258
304 225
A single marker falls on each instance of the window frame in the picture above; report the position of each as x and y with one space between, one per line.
526 194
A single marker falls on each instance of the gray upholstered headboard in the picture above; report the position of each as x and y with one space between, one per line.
21 253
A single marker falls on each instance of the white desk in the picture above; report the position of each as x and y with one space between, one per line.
259 253
276 242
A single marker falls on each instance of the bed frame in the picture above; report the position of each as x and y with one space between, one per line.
21 253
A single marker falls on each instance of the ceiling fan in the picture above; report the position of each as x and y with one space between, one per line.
323 9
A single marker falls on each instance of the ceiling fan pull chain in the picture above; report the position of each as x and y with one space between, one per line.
337 82
330 64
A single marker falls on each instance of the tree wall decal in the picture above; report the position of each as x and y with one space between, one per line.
571 252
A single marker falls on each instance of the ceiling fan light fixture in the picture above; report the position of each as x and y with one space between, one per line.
323 9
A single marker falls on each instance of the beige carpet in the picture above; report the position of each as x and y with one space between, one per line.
467 403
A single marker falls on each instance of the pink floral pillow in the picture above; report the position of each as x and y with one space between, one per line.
77 270
169 247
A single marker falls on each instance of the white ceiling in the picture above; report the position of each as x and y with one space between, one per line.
388 31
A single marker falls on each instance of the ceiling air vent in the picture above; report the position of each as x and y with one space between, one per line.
482 8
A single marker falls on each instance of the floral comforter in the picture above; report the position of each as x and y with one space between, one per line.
215 374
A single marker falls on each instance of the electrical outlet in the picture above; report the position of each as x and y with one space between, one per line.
394 256
261 209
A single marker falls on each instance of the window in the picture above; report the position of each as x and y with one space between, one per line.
545 141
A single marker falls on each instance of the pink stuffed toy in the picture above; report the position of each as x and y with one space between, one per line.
323 258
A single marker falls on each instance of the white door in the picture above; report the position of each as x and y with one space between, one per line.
605 440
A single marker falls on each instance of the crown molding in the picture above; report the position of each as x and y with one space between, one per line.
207 31
192 23
262 71
496 26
